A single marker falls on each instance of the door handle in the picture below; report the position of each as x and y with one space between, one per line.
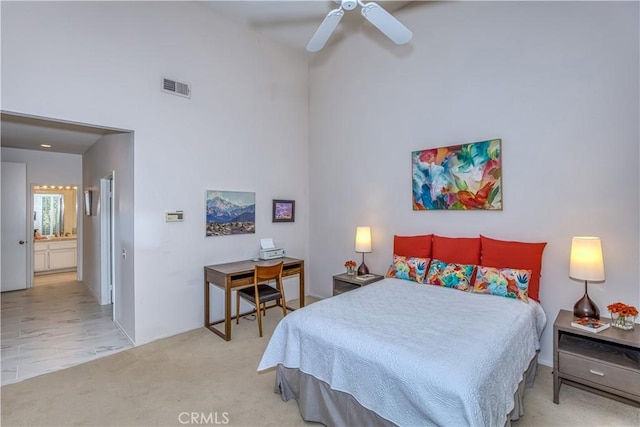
21 242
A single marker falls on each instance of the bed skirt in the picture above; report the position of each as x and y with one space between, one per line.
319 403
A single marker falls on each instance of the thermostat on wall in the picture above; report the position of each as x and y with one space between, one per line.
177 216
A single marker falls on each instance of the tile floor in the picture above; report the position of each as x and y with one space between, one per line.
54 326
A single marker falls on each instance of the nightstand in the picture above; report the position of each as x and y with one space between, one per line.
606 363
344 282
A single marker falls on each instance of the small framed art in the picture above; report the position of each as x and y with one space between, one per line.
284 211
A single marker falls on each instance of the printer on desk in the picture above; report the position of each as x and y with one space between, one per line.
269 251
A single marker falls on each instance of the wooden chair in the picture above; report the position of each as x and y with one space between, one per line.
261 293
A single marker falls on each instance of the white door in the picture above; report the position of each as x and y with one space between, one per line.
14 226
107 263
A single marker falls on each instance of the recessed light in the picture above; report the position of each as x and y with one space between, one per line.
45 145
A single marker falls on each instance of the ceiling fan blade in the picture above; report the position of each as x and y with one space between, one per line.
325 30
386 23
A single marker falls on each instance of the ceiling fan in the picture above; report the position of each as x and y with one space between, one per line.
372 12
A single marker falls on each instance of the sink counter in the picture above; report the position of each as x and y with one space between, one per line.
57 239
58 253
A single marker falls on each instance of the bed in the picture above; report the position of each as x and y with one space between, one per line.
398 352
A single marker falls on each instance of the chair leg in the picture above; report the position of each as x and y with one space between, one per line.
237 307
258 314
283 300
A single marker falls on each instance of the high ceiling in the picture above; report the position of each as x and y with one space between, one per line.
292 22
288 22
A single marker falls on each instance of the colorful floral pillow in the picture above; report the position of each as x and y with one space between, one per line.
408 268
457 276
505 282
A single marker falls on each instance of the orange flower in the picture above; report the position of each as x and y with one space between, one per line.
622 309
350 263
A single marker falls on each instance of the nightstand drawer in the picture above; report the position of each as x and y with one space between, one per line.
600 373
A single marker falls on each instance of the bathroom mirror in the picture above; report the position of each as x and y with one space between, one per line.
54 211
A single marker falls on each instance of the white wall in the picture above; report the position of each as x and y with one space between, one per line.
48 169
112 156
558 82
245 128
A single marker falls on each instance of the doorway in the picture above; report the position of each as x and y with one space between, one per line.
84 155
55 234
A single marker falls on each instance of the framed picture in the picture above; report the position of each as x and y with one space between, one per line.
87 202
284 211
458 177
230 212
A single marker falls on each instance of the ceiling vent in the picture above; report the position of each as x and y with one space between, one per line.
175 87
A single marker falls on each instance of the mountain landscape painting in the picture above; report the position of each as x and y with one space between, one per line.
230 212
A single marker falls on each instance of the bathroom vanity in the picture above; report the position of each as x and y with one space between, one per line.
56 254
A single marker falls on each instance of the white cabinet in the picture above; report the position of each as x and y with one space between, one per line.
40 257
55 255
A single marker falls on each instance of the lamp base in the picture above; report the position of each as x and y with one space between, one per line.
586 308
363 269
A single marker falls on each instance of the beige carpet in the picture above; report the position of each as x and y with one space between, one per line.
162 383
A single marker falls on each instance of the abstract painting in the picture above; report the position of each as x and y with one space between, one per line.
458 177
230 212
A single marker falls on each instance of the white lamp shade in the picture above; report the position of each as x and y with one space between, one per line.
363 239
586 259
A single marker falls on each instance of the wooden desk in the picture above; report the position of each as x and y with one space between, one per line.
238 274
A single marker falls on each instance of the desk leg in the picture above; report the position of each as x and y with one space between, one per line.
207 315
227 309
302 285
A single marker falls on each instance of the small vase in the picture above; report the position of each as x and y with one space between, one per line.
622 322
351 271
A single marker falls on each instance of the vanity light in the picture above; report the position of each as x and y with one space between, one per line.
45 145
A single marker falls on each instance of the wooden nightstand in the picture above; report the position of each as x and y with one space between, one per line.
344 283
606 363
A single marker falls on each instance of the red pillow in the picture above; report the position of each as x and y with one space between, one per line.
456 250
412 246
522 255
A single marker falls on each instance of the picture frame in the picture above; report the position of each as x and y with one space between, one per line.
88 196
284 211
230 212
458 177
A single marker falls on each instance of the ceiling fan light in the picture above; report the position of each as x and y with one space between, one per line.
349 4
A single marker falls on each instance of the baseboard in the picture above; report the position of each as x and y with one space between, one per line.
545 362
95 297
124 332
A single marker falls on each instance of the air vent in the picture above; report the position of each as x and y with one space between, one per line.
175 87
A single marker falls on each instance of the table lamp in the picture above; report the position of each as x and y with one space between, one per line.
586 264
363 244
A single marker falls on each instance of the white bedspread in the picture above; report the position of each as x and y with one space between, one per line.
415 354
